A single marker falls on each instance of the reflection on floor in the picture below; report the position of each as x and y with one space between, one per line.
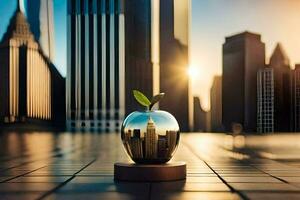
80 166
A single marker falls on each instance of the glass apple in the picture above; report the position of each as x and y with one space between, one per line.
150 137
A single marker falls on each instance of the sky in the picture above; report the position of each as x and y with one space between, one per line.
211 22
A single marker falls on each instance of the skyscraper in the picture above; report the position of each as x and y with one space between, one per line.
95 72
171 141
157 55
201 117
138 56
136 144
40 18
265 100
150 140
174 61
126 139
216 104
243 56
31 87
282 89
162 146
296 98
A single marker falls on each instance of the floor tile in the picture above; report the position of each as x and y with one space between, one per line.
26 187
97 196
263 187
251 180
188 187
196 196
272 195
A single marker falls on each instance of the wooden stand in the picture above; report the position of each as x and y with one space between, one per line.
138 172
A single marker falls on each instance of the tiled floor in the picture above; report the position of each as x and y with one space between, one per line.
80 166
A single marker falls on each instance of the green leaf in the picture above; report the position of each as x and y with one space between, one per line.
156 99
141 98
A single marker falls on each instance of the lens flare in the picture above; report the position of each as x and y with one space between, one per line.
193 72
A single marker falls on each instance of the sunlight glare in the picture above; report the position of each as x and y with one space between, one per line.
193 72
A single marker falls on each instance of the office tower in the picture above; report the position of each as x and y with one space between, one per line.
296 98
171 141
282 89
41 20
95 71
157 55
32 90
243 56
126 140
216 104
200 117
162 146
136 144
265 100
138 55
174 61
150 140
127 135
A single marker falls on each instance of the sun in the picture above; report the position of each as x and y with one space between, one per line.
193 72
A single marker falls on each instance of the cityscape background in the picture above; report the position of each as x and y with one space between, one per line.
219 17
105 49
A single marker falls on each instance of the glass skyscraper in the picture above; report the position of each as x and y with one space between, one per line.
95 69
265 100
157 56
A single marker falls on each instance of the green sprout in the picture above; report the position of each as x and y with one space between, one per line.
144 101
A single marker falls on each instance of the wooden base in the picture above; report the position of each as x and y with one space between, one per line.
136 172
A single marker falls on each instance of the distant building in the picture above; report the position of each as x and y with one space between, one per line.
201 117
95 70
282 90
171 141
127 138
151 140
32 90
265 100
162 146
296 98
136 144
41 20
216 104
243 56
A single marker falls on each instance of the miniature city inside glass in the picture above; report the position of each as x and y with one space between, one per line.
150 137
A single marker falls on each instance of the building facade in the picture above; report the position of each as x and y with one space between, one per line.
201 117
172 140
174 61
216 104
282 90
157 55
41 20
96 65
138 56
136 144
265 100
162 146
296 98
151 139
243 56
32 90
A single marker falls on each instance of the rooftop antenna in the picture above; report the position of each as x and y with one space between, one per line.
18 5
